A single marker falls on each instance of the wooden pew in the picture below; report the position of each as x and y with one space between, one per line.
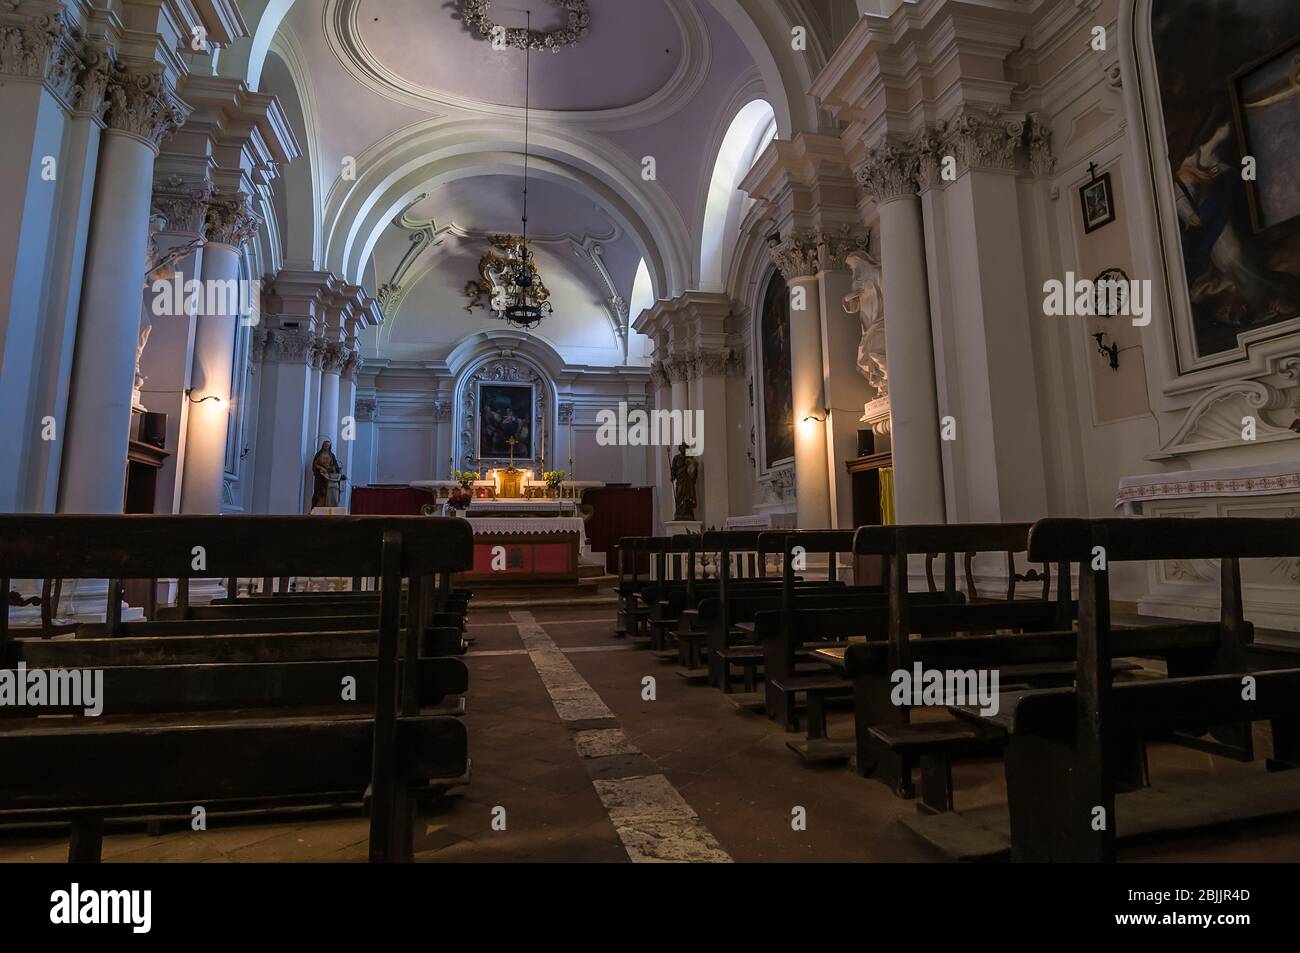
1064 744
727 643
781 642
630 583
84 771
886 633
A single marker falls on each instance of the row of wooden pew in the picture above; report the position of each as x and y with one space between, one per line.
253 702
1080 691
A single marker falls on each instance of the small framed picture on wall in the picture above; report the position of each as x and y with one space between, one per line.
1098 202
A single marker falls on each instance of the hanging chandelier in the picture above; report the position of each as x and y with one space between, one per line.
524 301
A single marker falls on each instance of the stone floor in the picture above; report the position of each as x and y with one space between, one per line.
563 739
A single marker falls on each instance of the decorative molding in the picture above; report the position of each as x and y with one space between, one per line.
797 256
185 209
46 47
566 410
503 369
680 369
142 106
333 357
230 220
975 137
716 363
352 363
366 410
289 347
475 14
316 354
1214 422
659 376
834 250
341 20
890 171
441 410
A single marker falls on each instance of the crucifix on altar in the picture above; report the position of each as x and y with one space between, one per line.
510 482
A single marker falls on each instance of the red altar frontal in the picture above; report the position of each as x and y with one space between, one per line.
522 550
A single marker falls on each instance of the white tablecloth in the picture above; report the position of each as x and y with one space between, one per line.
527 524
1266 480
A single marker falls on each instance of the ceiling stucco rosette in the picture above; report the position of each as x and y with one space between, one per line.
477 14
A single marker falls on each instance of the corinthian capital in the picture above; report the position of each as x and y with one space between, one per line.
289 347
834 248
890 171
229 220
681 368
333 356
351 363
985 139
798 255
183 206
659 374
142 106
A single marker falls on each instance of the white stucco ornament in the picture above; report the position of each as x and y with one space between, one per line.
477 15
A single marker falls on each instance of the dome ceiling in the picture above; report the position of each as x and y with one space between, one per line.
422 49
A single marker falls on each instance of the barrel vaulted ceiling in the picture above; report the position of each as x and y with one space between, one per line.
431 117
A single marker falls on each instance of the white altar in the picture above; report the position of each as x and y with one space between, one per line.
1189 588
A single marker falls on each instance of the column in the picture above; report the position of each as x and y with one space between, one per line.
663 390
846 389
51 85
797 259
890 176
167 361
229 223
711 368
982 316
315 364
283 446
94 466
331 371
348 415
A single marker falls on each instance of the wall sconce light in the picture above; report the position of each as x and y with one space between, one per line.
822 419
189 394
1111 351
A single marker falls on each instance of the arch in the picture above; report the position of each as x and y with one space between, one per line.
525 361
301 231
752 127
433 153
764 27
246 57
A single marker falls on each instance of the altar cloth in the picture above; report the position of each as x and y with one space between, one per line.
1265 480
527 524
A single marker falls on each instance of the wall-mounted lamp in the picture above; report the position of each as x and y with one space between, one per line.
1111 351
821 420
189 394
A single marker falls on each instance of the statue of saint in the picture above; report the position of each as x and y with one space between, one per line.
327 489
868 301
685 471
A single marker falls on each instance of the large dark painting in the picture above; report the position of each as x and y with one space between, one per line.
778 397
1228 75
505 411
